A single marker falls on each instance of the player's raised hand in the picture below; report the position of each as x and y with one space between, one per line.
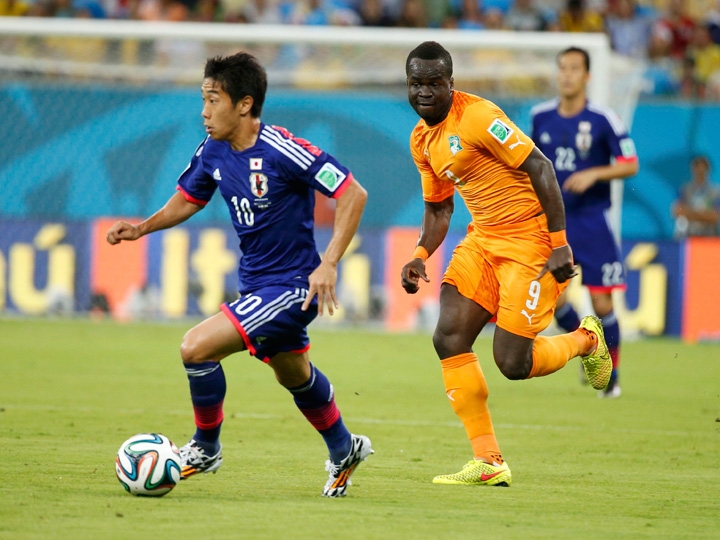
322 283
122 230
560 265
411 274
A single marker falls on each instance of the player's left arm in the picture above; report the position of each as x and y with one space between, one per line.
542 176
323 279
581 181
625 164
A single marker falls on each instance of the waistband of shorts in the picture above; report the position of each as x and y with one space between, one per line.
529 225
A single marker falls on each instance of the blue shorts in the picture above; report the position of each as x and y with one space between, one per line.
270 320
595 251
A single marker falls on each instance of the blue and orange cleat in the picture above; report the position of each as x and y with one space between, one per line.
194 460
340 473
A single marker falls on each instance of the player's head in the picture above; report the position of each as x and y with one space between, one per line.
700 166
239 76
233 92
430 83
573 72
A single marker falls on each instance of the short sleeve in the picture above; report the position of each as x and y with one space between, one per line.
300 160
434 189
195 183
486 126
622 147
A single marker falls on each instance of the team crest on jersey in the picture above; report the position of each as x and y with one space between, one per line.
583 139
545 138
500 130
258 184
455 146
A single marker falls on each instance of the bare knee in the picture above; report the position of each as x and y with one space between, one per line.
440 343
211 341
514 368
450 344
602 304
513 354
190 349
291 369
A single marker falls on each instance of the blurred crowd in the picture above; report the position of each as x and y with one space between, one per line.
678 40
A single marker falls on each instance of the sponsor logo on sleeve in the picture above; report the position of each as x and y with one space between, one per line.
500 130
216 175
330 177
627 147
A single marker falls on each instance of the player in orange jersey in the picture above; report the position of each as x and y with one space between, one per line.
513 263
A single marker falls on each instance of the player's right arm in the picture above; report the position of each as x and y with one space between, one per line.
175 211
195 188
435 224
439 206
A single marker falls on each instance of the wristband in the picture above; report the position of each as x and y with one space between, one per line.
421 253
558 239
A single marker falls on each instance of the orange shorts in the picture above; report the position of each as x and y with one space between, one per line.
497 267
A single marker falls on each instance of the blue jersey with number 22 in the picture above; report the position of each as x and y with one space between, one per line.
591 138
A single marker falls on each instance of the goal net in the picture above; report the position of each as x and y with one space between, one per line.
66 159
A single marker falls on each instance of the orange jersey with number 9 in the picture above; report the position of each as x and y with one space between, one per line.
476 150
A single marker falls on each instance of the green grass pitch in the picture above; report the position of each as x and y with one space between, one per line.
644 466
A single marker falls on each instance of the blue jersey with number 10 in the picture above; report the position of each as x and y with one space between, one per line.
591 138
269 189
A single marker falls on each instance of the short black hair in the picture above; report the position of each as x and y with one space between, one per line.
585 54
239 75
431 50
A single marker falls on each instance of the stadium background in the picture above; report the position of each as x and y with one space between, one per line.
75 156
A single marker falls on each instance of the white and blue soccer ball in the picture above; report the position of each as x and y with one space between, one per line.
148 465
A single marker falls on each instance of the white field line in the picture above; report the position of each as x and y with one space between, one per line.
369 421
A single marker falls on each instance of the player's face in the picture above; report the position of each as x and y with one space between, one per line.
221 118
700 169
572 76
429 90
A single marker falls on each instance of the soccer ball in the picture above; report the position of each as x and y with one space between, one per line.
148 464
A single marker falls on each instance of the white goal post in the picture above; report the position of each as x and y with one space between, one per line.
351 55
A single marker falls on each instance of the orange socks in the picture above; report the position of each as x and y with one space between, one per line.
553 352
468 392
467 389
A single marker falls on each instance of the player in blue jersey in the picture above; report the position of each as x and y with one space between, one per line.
267 177
589 146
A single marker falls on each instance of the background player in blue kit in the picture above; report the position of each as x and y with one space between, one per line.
589 146
267 178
